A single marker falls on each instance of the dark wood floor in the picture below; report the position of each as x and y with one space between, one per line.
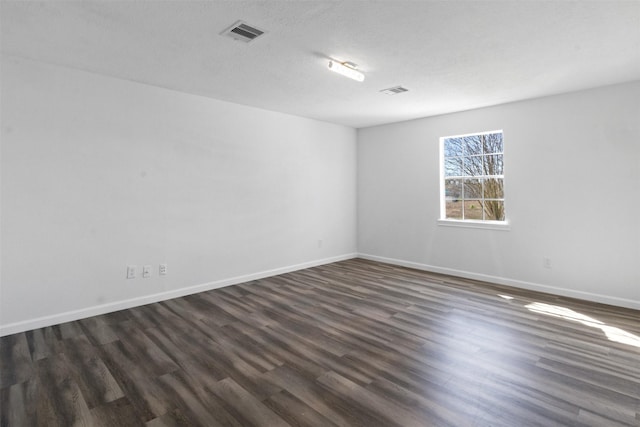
355 343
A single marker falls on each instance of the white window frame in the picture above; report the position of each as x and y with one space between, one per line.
469 223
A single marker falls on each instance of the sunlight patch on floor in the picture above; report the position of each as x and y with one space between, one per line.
612 333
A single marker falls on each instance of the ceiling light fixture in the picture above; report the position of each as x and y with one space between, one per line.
347 69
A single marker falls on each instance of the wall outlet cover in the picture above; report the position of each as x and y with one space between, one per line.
131 271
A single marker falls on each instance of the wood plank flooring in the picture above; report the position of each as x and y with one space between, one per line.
355 343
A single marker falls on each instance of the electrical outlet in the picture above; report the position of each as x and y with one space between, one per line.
163 269
319 243
546 262
131 271
146 271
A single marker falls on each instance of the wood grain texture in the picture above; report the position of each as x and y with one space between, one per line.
355 343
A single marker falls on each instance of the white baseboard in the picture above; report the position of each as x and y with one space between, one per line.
588 296
69 316
41 322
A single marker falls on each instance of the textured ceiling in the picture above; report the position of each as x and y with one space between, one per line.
451 55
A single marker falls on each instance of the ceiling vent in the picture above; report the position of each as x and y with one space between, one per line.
394 90
242 32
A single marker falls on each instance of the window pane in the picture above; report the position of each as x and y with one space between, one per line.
494 188
472 165
472 188
494 210
473 209
453 189
453 147
453 166
493 165
492 143
454 209
472 145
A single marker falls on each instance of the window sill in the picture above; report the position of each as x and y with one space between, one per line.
487 225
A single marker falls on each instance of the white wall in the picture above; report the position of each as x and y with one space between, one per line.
572 165
99 173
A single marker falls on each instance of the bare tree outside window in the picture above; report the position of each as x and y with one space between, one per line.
474 177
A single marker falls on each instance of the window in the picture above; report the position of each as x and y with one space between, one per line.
472 177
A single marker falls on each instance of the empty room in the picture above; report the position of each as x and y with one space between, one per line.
320 213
